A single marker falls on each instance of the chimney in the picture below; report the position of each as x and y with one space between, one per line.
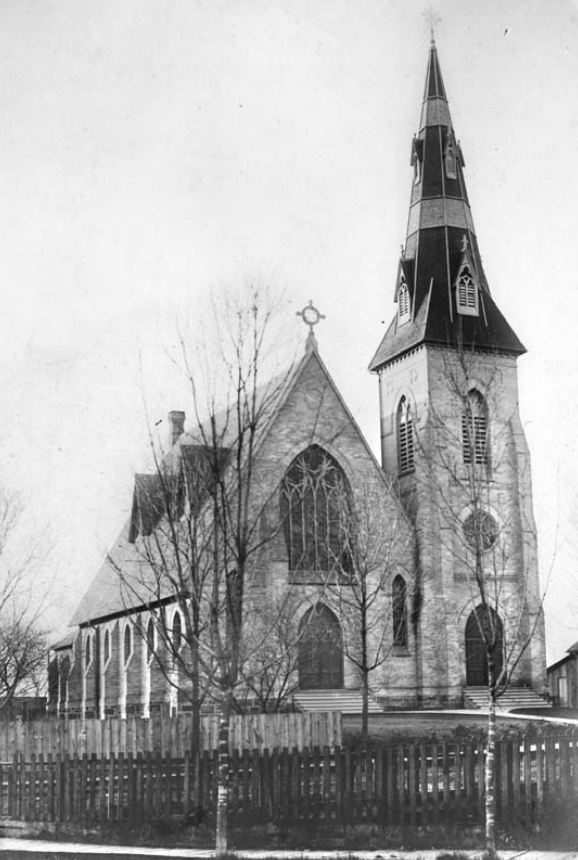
176 426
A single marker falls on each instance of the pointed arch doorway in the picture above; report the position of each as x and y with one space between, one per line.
481 626
320 650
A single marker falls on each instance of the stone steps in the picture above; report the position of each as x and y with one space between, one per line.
346 701
513 699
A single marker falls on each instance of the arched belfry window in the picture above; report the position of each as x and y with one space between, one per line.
403 303
475 435
405 448
399 611
466 293
315 507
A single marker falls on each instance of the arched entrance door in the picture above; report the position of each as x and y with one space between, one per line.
320 650
483 626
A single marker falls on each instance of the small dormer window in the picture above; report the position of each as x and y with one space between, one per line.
416 158
403 303
450 158
467 293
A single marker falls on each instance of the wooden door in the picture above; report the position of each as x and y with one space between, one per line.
480 628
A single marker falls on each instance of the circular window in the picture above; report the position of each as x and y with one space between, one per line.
481 530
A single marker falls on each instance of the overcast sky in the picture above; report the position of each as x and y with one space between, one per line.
153 150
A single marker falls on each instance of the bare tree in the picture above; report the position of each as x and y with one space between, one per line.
23 645
269 672
472 463
364 587
202 527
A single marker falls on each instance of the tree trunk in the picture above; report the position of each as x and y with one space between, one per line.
365 708
364 668
221 829
196 740
489 771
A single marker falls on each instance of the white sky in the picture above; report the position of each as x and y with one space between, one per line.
152 150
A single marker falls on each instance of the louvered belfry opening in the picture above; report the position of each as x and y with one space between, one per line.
403 301
475 438
467 294
405 444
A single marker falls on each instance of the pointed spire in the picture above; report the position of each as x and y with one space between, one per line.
439 213
439 220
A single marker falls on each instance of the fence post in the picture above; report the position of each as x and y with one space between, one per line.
423 782
575 763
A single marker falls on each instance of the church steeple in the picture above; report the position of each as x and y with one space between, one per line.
442 293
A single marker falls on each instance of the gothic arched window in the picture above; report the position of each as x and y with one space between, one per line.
150 639
399 611
403 303
475 436
404 436
127 646
177 632
315 507
106 648
87 652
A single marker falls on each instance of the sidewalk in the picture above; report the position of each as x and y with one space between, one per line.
12 847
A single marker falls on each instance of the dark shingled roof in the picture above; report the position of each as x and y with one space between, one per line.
440 238
125 580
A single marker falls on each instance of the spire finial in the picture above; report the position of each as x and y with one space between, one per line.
310 316
432 19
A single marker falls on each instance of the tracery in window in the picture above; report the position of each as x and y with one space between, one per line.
399 611
405 448
403 303
480 530
315 507
475 437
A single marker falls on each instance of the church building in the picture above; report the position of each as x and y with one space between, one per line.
441 530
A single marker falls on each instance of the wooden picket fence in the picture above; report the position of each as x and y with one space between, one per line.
169 736
403 784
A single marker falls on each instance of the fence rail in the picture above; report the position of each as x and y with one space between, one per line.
169 736
403 784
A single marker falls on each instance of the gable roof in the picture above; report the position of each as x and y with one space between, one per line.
125 581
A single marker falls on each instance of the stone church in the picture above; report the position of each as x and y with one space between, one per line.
446 516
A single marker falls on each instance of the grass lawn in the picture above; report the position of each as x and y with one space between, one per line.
419 725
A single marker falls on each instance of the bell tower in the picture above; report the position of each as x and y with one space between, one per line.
451 434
